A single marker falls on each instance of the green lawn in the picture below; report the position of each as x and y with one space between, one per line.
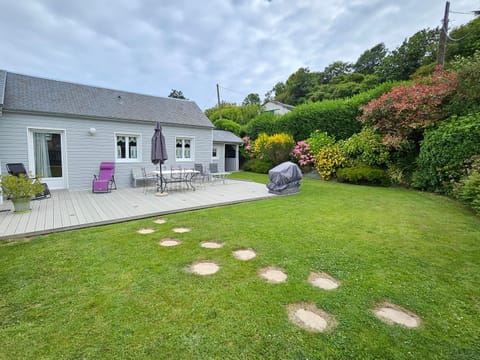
109 292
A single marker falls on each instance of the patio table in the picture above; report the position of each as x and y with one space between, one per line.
165 177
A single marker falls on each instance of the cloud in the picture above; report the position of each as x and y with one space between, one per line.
151 47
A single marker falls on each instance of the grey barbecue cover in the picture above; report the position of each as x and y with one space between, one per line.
284 176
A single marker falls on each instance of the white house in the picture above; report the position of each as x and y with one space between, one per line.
277 107
62 131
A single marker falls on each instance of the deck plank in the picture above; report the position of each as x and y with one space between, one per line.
78 209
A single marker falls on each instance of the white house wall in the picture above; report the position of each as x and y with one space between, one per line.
84 152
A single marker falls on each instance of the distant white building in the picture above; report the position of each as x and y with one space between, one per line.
277 107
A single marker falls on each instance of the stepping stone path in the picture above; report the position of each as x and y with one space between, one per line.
245 254
145 231
168 242
310 318
211 245
160 221
204 268
273 275
394 314
323 281
181 230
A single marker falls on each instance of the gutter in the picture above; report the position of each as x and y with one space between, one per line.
3 83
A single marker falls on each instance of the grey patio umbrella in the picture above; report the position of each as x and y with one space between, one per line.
159 148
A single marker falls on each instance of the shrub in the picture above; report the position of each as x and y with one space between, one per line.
319 139
228 125
328 160
262 123
259 166
303 156
274 148
366 147
401 114
363 174
444 151
469 191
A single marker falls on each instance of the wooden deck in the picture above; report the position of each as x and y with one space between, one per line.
67 210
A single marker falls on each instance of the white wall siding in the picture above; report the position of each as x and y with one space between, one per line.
84 152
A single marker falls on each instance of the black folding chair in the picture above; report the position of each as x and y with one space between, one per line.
17 169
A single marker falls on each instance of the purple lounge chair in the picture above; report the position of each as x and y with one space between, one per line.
105 181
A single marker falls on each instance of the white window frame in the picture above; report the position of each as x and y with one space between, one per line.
215 150
192 148
127 150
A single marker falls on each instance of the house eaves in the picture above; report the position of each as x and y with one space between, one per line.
3 79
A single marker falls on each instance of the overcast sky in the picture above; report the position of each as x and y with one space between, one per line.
153 46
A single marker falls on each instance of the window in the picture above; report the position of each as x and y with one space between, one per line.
127 147
215 152
184 149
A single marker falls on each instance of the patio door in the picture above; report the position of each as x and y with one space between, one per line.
47 156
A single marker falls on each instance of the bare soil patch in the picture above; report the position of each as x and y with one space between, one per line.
212 245
273 275
393 314
145 231
310 318
204 268
323 281
160 221
244 254
168 242
181 230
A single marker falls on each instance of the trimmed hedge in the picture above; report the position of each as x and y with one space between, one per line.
363 174
444 151
257 166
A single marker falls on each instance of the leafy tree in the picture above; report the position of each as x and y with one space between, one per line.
277 90
371 59
467 40
177 94
228 125
298 85
252 99
403 113
418 50
335 69
239 114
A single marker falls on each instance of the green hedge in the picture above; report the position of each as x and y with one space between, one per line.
444 151
257 166
363 174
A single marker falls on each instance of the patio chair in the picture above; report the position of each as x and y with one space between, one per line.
148 178
105 181
17 169
202 174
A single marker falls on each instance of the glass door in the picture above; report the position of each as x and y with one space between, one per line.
48 157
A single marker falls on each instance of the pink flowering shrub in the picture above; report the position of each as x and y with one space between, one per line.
247 150
302 156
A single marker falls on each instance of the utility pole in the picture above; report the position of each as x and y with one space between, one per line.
442 44
218 99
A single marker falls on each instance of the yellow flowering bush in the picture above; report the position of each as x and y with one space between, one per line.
328 160
275 148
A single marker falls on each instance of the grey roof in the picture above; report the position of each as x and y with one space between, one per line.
37 95
226 137
290 107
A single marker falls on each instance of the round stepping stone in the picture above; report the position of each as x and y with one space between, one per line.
323 281
160 221
204 268
211 245
394 314
273 275
310 318
181 230
245 254
168 242
145 231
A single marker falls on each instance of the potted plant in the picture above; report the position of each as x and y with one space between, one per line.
20 190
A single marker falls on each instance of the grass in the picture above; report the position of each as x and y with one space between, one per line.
108 292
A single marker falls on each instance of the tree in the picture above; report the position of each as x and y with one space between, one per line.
177 94
335 69
252 99
418 50
298 85
371 59
467 40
